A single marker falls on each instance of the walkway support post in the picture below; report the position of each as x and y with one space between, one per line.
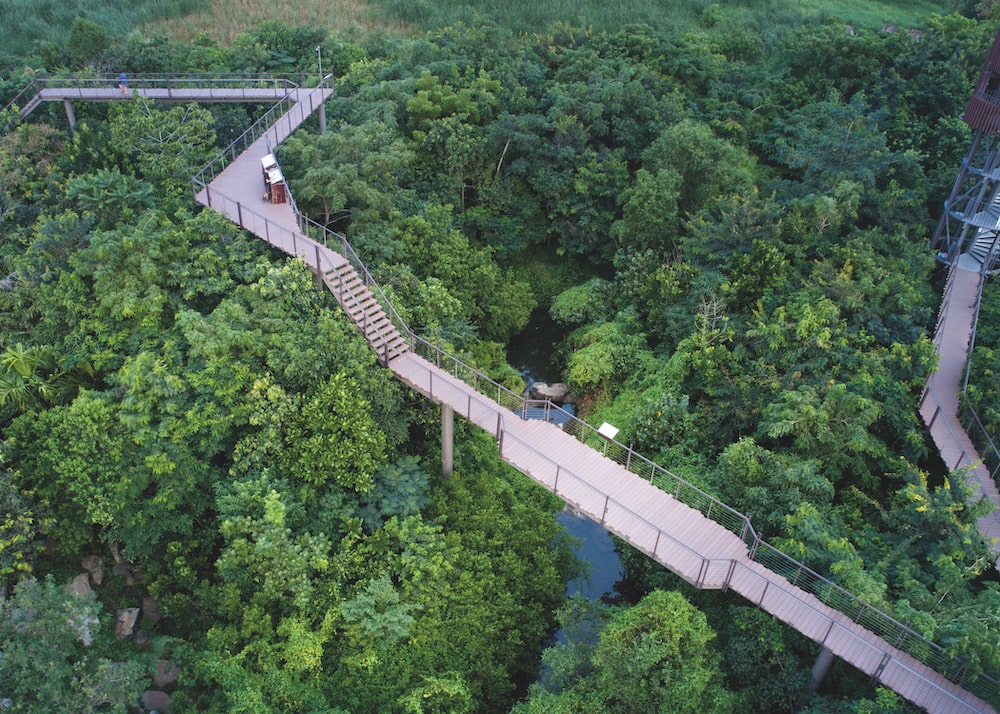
322 104
447 440
822 664
70 115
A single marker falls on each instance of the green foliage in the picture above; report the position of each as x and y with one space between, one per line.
29 23
114 196
705 166
164 146
588 302
766 486
750 208
653 657
497 305
438 695
55 654
275 47
24 523
348 178
400 490
87 41
603 357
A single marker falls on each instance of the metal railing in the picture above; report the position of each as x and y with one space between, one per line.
339 240
798 575
246 84
989 454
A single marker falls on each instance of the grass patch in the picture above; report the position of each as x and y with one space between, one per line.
226 19
26 23
874 14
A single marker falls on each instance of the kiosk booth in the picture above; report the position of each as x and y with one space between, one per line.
274 181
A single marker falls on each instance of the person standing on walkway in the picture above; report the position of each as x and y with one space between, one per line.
123 83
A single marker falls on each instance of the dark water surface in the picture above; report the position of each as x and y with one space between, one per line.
604 569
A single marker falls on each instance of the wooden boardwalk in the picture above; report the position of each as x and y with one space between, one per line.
939 405
680 538
677 536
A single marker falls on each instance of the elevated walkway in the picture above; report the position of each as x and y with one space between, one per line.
172 88
939 404
687 531
684 529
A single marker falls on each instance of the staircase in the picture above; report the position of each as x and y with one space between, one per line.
366 312
983 249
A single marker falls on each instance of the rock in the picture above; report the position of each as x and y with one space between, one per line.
151 610
94 565
80 585
140 637
125 622
166 673
131 575
114 548
553 392
85 625
154 700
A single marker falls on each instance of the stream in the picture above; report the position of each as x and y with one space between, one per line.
532 352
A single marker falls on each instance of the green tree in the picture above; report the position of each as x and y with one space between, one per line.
350 178
655 656
87 41
56 654
163 146
708 167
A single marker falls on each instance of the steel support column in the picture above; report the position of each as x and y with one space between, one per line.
447 440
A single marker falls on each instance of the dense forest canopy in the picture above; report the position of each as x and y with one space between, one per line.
729 227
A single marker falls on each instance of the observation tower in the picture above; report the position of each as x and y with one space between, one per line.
968 229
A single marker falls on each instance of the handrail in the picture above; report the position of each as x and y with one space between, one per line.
256 130
971 419
33 93
804 578
25 95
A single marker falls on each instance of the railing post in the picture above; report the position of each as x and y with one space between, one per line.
605 513
864 606
729 575
239 212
